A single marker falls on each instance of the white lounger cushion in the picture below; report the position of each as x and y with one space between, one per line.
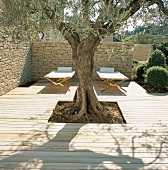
59 74
115 75
64 69
107 69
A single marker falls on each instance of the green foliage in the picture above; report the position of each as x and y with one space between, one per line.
157 59
80 18
164 48
157 77
26 19
141 70
135 63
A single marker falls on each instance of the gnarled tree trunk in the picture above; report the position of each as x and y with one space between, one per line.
85 100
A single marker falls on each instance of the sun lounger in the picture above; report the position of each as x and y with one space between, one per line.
108 75
62 75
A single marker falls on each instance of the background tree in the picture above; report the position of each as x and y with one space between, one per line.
83 23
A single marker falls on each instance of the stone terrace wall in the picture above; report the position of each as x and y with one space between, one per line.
47 56
117 55
142 52
15 65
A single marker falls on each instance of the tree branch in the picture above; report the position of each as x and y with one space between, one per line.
131 9
135 5
124 13
69 34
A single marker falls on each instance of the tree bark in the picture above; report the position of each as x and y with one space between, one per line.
85 100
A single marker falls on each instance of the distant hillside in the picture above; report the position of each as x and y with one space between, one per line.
144 35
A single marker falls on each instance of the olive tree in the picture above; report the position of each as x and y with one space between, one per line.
83 23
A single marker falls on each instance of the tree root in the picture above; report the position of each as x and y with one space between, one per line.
104 112
68 112
77 114
82 113
68 108
101 110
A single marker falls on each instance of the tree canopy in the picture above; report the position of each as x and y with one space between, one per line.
75 19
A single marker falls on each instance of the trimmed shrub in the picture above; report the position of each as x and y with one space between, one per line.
157 77
157 59
164 48
140 72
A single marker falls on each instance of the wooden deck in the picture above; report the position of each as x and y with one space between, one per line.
27 141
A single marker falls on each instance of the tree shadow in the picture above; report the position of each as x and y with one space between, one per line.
99 86
157 94
49 88
26 72
54 90
68 149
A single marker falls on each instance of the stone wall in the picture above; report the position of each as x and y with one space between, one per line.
47 56
142 52
15 64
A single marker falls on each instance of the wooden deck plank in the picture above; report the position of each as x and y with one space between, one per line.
100 165
87 160
141 111
52 130
84 153
27 141
125 143
85 133
80 149
81 126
